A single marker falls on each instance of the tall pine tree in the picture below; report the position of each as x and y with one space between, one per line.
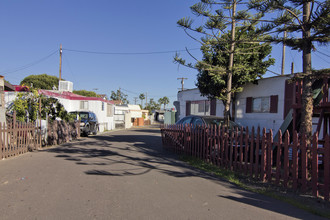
230 46
308 19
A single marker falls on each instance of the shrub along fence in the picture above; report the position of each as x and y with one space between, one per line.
18 138
290 162
59 132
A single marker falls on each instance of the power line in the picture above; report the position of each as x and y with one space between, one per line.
273 72
30 64
322 58
322 53
128 53
135 93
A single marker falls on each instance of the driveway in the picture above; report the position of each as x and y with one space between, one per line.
124 175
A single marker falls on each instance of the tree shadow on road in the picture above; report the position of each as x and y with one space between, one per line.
136 153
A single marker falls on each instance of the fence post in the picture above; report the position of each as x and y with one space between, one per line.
257 154
252 152
223 148
263 156
246 166
315 166
326 163
235 148
278 158
295 161
269 160
230 148
240 148
286 164
303 159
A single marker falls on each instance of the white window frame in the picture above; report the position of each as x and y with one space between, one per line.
83 104
261 104
201 107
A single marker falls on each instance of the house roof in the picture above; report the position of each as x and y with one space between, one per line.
117 102
267 78
19 88
9 87
70 96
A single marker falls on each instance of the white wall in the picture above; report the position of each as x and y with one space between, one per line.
105 122
188 95
9 98
194 95
265 87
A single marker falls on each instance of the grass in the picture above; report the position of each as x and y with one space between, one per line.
312 205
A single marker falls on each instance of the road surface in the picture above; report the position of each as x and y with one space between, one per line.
124 175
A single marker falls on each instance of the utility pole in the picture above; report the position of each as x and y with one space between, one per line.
60 77
119 94
292 68
135 99
146 99
182 82
283 53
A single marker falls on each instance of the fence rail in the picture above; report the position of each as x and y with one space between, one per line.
291 162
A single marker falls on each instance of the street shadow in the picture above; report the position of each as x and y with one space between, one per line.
138 152
271 204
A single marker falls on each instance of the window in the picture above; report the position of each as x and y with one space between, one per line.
200 107
261 104
267 104
109 110
83 104
102 106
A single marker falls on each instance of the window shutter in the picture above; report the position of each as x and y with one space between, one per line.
213 107
248 105
188 106
273 103
288 97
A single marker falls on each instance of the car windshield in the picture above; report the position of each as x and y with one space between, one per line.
83 115
214 121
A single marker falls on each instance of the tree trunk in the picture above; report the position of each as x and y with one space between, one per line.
226 113
307 99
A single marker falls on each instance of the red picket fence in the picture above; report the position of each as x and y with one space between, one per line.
291 162
18 138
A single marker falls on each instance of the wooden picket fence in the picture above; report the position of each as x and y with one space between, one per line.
18 138
291 162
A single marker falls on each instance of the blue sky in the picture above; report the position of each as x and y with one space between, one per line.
32 31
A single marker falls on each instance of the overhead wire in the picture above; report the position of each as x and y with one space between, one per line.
322 53
128 53
322 58
28 65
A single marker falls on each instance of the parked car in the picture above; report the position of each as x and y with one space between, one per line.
196 120
88 122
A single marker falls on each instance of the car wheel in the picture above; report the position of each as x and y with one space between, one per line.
87 131
96 130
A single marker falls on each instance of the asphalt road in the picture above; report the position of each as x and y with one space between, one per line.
123 175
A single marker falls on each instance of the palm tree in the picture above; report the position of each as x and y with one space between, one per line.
142 97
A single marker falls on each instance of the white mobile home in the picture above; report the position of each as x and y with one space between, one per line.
72 102
262 104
